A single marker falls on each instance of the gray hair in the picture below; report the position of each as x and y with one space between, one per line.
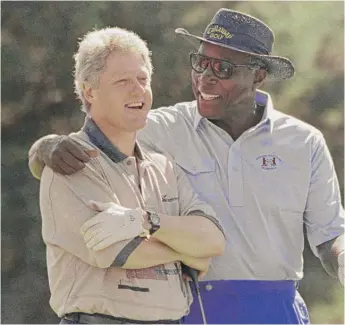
94 49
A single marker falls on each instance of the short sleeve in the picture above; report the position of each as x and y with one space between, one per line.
324 213
189 202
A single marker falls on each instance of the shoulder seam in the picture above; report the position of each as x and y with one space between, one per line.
51 204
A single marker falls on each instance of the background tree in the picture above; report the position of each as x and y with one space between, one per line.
38 42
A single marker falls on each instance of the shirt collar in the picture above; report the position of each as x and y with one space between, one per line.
97 137
261 98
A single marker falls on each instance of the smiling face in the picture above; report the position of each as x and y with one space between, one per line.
220 98
123 96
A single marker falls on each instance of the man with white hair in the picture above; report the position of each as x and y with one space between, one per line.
117 231
265 174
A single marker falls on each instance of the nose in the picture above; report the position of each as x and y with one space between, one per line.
207 76
138 88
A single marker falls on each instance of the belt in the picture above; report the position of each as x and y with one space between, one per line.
248 286
107 319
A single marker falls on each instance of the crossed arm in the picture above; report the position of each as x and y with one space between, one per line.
56 151
151 252
64 209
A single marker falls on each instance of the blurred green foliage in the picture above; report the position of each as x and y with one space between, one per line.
38 42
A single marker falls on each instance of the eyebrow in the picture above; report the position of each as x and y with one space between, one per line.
226 58
118 75
127 73
220 59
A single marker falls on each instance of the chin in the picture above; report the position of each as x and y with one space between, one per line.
134 127
141 126
209 110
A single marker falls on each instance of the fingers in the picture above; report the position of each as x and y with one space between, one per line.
98 206
89 226
65 156
92 153
89 232
145 234
92 205
77 151
99 242
102 244
63 168
202 274
95 236
186 277
70 160
57 169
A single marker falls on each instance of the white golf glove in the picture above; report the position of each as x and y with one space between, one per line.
341 267
113 224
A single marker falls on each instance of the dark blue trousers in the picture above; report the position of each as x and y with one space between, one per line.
249 302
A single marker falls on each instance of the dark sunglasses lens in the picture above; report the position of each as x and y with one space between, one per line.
222 69
198 62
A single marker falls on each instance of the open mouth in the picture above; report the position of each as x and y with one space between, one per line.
137 105
208 97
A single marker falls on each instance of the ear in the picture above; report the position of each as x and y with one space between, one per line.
88 93
259 78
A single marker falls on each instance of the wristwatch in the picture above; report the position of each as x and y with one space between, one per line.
154 221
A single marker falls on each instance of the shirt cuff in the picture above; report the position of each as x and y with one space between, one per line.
122 257
211 218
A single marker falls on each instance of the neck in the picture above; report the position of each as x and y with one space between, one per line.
237 122
122 140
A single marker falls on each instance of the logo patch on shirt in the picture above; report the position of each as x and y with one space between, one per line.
158 272
165 198
269 162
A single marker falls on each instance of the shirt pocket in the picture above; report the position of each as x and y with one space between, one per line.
286 191
202 176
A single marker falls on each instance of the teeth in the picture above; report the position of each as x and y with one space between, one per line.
208 96
135 105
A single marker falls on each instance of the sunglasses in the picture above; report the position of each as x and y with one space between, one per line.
222 69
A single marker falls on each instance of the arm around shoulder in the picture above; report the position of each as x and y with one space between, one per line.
36 162
61 153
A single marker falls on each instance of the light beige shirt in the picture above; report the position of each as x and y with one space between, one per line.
82 280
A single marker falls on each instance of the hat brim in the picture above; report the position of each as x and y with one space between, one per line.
278 67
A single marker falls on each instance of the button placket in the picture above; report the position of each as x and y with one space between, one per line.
130 165
235 176
143 179
131 168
